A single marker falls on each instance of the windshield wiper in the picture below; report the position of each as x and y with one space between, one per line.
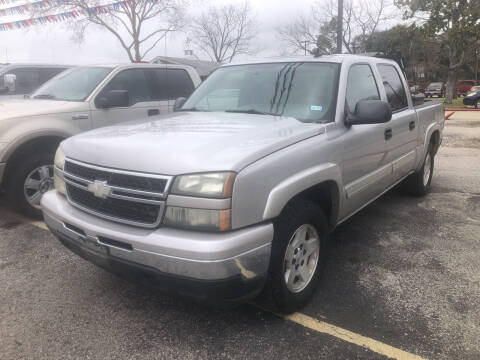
250 111
44 96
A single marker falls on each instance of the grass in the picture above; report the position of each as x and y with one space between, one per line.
456 103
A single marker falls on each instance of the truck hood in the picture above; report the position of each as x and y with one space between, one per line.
188 142
15 108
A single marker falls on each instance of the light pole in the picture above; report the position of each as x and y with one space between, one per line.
339 26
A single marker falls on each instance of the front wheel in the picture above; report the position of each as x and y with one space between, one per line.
298 255
29 180
477 104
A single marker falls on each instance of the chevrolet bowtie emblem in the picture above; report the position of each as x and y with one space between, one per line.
100 189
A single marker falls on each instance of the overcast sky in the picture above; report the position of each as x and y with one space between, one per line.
54 42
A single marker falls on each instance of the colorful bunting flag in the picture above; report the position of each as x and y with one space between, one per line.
101 9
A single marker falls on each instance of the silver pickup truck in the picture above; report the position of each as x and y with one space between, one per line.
237 191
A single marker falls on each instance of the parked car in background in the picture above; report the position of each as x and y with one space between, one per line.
416 90
17 80
464 86
435 89
238 191
473 97
79 99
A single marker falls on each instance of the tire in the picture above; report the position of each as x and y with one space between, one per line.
17 190
477 104
418 184
302 215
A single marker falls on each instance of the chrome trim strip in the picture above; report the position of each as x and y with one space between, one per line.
198 203
374 198
365 181
132 173
120 220
404 160
112 195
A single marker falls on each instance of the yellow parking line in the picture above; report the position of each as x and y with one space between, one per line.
39 224
351 337
345 335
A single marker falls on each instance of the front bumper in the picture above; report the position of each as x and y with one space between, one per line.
226 268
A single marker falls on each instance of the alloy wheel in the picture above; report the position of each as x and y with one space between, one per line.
38 182
301 258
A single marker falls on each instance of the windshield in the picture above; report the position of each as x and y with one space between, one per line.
474 90
305 91
437 84
72 85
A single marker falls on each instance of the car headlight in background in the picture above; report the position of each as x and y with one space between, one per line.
209 185
58 181
198 219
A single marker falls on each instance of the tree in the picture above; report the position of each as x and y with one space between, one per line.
317 32
309 35
224 32
138 25
421 54
455 22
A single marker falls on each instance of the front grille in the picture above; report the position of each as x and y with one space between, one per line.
116 208
134 182
123 196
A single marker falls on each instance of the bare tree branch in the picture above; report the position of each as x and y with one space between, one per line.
224 32
126 21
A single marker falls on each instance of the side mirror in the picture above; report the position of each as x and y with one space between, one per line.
369 112
112 99
179 103
9 83
418 100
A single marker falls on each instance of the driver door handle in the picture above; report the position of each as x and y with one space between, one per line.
388 134
411 125
153 112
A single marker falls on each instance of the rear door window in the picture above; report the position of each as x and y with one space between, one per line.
135 82
361 85
396 94
170 84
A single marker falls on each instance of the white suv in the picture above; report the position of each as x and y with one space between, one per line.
77 100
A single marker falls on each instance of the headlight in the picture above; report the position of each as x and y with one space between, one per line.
59 158
199 219
211 185
58 181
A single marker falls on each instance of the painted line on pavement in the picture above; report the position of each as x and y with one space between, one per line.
346 335
39 224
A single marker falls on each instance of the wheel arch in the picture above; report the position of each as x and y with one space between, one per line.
47 141
320 184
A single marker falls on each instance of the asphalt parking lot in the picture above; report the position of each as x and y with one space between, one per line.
402 281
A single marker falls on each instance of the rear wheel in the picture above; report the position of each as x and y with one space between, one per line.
418 184
298 255
477 104
28 181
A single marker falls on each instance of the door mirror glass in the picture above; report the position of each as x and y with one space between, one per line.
369 112
113 98
179 103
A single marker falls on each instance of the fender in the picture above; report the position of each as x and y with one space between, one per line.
24 138
422 149
282 193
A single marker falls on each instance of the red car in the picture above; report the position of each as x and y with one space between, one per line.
464 86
